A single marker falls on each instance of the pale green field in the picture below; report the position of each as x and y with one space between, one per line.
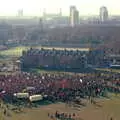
16 51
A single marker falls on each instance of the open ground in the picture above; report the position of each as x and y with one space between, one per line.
109 108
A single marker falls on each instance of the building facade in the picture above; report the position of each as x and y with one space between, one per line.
103 14
20 13
74 16
54 59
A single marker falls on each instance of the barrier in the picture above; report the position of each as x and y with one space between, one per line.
21 95
35 98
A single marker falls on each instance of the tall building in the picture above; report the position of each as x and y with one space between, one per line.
44 12
60 13
41 24
74 16
51 15
20 13
103 14
72 8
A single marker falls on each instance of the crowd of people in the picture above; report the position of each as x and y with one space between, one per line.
59 59
59 86
63 116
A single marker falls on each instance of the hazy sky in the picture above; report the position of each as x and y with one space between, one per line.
35 7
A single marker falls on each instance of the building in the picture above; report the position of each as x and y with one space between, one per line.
74 16
103 14
72 8
20 13
54 59
114 59
60 12
52 15
41 23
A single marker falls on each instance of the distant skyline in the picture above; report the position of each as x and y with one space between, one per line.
35 7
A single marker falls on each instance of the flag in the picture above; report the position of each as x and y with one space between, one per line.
9 80
2 92
81 80
64 84
3 83
48 85
43 77
35 76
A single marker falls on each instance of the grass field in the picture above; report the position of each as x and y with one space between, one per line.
16 51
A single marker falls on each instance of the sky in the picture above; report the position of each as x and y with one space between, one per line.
35 7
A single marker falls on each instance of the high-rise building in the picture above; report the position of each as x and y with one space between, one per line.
103 14
20 13
74 16
51 15
41 23
44 12
60 12
72 8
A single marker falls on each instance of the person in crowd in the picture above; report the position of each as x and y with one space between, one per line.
57 86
